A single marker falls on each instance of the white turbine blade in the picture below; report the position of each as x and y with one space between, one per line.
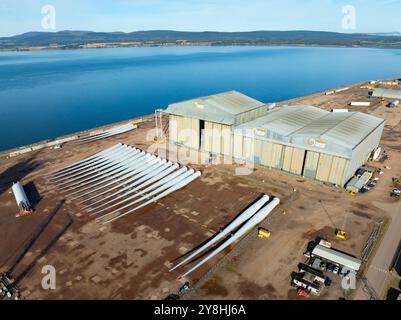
176 187
100 134
234 224
154 164
150 181
87 159
251 223
91 137
170 184
108 133
113 161
163 168
103 159
116 166
130 171
85 163
154 186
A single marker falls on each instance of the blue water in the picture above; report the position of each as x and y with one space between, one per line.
46 94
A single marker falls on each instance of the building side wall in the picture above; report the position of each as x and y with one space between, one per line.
184 131
362 152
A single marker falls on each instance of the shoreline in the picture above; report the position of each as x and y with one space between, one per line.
206 44
57 141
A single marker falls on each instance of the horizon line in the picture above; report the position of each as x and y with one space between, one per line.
203 31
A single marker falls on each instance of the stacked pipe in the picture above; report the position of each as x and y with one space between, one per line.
121 180
108 133
237 228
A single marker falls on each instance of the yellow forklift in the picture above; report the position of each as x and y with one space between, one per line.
339 233
263 233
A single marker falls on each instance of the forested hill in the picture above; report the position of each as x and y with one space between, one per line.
75 39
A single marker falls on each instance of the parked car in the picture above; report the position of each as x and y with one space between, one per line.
344 273
336 270
327 282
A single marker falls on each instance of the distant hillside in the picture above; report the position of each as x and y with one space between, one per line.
75 39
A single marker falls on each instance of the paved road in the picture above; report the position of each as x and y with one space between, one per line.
377 273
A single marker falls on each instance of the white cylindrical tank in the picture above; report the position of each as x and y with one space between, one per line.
21 198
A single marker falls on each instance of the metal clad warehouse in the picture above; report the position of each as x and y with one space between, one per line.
387 93
302 140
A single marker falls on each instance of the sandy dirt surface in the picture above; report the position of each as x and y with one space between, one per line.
130 258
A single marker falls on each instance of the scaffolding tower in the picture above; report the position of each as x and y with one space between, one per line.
159 125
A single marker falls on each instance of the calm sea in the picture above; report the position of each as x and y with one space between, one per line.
46 94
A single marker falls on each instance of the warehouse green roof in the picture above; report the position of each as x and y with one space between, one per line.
295 124
221 108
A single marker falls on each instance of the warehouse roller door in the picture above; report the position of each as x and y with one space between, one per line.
208 136
324 167
248 149
265 153
180 136
297 162
172 129
311 162
226 140
270 158
237 147
258 151
186 131
288 151
216 138
337 171
195 132
277 155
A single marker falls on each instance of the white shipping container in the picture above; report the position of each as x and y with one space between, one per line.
339 110
359 104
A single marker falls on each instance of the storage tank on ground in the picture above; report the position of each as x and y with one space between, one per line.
21 199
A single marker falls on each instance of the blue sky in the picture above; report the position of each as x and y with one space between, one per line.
18 16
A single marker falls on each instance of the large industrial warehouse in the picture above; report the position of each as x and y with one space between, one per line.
302 140
386 93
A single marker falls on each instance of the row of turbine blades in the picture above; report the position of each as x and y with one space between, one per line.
120 180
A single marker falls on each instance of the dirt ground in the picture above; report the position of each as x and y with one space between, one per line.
130 258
